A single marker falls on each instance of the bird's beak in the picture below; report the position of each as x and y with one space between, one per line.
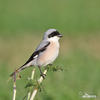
60 35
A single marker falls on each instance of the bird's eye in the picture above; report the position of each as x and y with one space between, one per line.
53 34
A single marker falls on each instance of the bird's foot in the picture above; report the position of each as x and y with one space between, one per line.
43 75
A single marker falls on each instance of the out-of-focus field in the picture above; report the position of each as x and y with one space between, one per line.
73 16
22 23
79 57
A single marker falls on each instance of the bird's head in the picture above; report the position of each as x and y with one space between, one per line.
52 34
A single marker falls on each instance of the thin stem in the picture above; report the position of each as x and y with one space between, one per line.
28 96
36 89
34 94
14 87
32 77
14 91
33 72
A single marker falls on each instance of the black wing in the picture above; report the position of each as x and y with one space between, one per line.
36 53
33 56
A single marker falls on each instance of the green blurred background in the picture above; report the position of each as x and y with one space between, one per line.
22 24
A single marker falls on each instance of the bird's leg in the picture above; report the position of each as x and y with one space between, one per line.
41 73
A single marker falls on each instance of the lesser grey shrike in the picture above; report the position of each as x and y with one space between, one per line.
46 52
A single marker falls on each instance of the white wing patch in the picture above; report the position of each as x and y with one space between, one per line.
35 56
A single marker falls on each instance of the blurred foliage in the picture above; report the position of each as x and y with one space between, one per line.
70 16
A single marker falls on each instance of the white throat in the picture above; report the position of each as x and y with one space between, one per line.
54 39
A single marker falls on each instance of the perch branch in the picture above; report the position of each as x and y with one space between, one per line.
36 89
14 87
32 77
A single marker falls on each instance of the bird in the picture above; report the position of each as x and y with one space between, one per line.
45 53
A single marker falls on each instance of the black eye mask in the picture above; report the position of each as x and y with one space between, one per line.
56 33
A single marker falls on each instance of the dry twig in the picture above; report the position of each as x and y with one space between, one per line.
14 87
32 77
36 89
